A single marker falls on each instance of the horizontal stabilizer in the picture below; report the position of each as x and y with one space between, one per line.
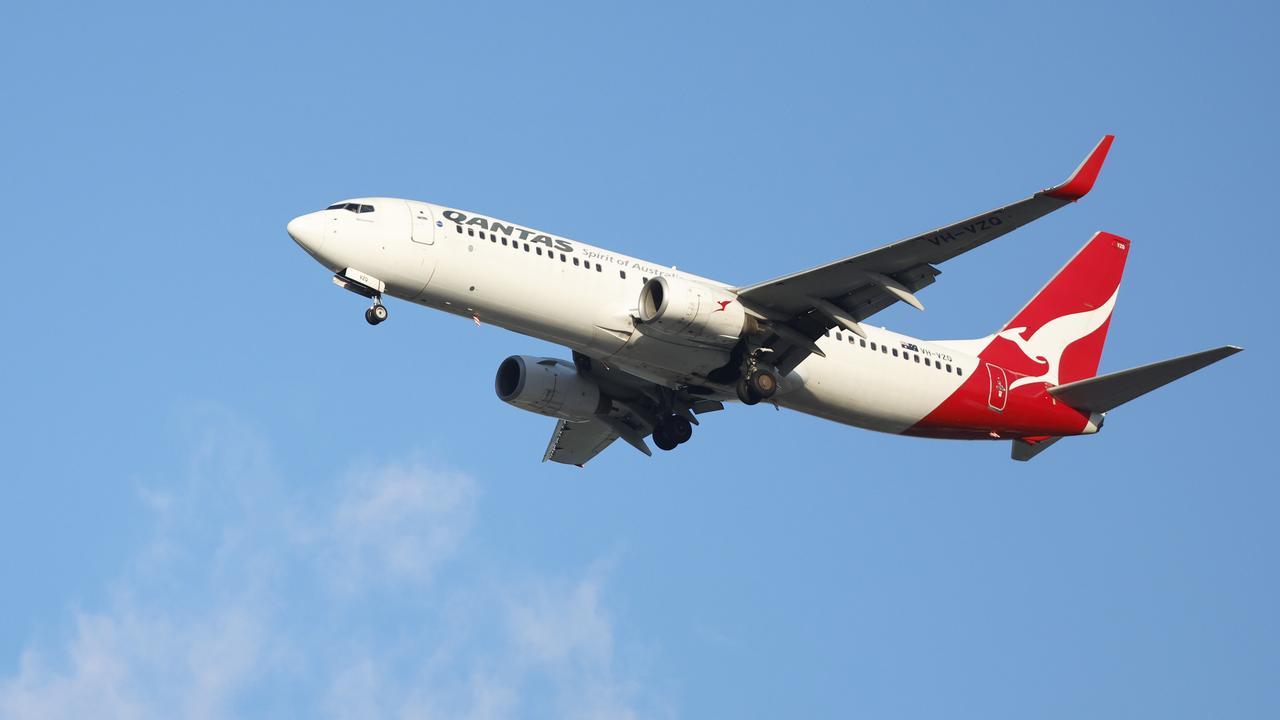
1024 450
1102 393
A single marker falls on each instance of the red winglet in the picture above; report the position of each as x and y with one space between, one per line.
1081 181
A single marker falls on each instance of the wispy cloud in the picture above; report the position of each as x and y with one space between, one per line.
124 664
396 522
256 598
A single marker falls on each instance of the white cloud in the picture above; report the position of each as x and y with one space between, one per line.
341 599
561 629
397 521
128 665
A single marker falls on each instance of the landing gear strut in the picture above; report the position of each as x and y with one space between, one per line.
671 431
377 313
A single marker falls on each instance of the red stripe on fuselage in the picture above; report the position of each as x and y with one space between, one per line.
1028 410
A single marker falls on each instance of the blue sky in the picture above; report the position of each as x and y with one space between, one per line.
200 517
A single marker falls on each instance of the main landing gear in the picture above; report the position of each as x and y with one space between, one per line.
671 431
757 383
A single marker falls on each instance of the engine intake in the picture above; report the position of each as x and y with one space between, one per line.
680 308
550 387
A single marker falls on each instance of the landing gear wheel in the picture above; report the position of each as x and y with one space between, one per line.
746 394
661 439
678 429
376 314
763 383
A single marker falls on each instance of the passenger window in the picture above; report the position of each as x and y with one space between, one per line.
839 336
471 232
563 258
958 371
917 358
504 241
884 349
598 268
948 368
873 346
895 352
539 250
526 247
926 362
481 234
575 262
458 228
863 343
851 340
622 274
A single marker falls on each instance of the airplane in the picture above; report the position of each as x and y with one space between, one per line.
653 347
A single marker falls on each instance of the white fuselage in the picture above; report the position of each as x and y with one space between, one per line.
586 298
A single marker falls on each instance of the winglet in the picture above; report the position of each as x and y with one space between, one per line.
1081 181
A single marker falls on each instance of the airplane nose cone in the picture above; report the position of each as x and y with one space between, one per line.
307 231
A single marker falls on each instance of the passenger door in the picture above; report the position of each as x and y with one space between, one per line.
424 226
417 258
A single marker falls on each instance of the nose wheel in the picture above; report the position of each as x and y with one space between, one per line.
377 313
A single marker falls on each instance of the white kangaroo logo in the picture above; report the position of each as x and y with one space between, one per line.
1053 338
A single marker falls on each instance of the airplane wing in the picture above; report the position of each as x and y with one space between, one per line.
635 407
800 307
576 443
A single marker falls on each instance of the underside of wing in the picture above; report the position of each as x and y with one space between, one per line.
634 409
804 305
576 443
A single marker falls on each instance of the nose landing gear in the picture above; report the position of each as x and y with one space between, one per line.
364 285
377 313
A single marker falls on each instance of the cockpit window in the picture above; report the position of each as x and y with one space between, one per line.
353 207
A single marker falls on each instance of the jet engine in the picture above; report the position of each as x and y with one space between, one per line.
692 311
548 386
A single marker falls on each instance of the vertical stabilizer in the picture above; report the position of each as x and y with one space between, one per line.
1058 336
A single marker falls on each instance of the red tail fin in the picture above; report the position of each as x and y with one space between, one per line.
1057 338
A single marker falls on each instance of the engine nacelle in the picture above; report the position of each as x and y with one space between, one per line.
548 386
693 311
